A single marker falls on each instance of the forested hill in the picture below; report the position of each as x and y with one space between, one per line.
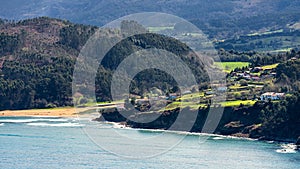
37 58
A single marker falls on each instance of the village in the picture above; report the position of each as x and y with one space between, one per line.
244 87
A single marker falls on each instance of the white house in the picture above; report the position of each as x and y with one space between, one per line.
272 96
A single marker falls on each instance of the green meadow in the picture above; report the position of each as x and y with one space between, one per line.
230 66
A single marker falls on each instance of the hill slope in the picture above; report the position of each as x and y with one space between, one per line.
37 59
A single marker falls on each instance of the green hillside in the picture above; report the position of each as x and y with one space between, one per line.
38 57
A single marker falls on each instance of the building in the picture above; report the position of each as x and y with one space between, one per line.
272 96
209 92
293 58
172 96
222 89
255 78
142 101
256 69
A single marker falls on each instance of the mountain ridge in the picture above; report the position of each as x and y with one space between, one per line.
204 13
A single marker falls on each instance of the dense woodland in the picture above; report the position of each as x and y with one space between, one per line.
149 78
256 58
38 58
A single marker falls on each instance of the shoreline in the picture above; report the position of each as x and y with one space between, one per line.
72 112
234 136
162 123
188 133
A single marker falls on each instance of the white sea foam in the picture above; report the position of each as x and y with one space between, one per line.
286 151
117 125
18 120
31 120
287 148
215 136
1 124
218 138
114 125
57 124
55 120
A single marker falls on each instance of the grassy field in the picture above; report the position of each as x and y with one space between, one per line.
193 105
192 96
266 33
273 66
229 66
281 50
157 29
238 87
237 103
90 104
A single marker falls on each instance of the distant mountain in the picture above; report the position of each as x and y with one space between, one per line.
218 18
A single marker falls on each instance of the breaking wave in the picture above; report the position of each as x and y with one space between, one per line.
56 124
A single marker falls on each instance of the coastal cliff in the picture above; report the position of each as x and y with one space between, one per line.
240 121
235 121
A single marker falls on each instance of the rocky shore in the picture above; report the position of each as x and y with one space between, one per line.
235 121
298 143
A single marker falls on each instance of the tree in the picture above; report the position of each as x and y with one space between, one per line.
243 82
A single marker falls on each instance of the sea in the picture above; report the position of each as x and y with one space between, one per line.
55 142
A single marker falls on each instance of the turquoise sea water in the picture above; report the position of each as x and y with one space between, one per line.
43 142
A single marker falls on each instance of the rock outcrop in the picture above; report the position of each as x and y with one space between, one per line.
233 121
241 122
298 143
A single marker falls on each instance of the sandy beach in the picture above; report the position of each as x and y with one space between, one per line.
61 112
